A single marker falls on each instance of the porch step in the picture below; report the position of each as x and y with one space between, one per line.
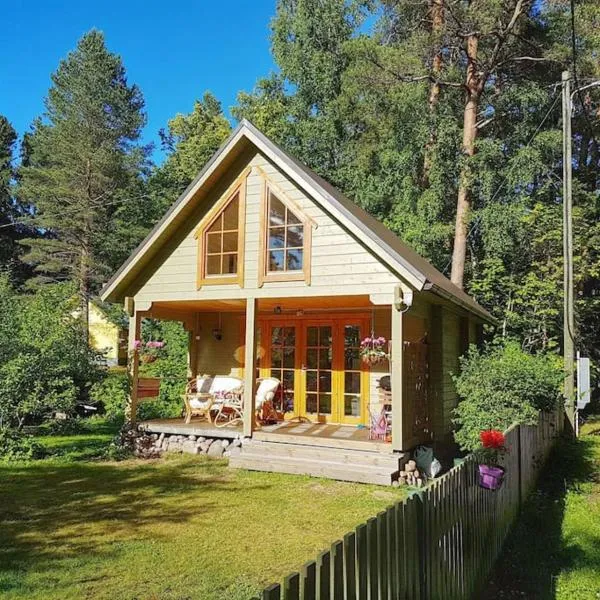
333 463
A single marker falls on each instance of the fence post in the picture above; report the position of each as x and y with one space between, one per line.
423 557
273 592
520 466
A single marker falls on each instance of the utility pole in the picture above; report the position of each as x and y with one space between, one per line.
568 316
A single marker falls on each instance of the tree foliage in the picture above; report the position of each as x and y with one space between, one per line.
82 167
46 364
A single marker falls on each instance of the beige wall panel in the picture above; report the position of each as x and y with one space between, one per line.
450 365
339 263
220 357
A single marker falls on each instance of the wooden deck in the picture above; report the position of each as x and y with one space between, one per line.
348 437
196 427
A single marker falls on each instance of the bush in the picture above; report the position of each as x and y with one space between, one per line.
502 386
15 445
61 427
171 368
46 364
112 393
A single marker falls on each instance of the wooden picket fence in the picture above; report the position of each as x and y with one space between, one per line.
439 543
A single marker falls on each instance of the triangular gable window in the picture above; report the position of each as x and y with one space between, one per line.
286 240
221 242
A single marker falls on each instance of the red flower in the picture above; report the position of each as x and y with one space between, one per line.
492 438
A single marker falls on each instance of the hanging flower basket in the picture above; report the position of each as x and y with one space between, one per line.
373 350
491 475
148 352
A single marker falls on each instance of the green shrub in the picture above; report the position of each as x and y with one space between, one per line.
171 368
112 393
15 445
502 386
46 364
73 426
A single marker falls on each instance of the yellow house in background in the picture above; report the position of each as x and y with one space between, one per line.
107 337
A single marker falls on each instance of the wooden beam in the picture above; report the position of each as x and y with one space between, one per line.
396 378
249 366
193 342
135 322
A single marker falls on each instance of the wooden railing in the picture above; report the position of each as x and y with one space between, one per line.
439 543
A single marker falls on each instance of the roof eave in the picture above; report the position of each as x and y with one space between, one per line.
478 310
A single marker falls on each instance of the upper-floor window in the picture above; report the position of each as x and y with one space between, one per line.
285 238
221 243
286 241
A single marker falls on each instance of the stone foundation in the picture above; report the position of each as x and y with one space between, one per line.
152 445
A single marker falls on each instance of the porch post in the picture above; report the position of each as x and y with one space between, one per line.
193 333
249 367
396 377
135 320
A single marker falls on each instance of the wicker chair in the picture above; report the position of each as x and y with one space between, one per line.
205 394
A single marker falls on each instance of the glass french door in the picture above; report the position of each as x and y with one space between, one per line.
323 378
335 380
282 358
318 371
353 406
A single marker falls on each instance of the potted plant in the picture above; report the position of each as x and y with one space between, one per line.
491 474
373 350
149 351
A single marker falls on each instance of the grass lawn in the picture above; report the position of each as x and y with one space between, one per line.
554 551
72 526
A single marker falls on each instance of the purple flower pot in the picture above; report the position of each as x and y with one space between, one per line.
490 478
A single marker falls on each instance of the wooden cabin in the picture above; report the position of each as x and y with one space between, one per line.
267 264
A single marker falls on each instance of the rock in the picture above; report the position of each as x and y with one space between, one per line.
200 439
192 438
411 465
416 473
395 483
205 445
189 447
236 443
215 450
233 451
161 437
419 482
225 443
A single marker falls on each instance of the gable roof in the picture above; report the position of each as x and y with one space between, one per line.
412 267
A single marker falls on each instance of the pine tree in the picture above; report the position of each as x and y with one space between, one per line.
8 248
83 159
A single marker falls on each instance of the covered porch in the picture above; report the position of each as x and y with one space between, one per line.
328 395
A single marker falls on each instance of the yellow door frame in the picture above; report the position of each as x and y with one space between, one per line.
300 322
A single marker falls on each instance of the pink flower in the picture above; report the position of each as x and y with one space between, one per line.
137 344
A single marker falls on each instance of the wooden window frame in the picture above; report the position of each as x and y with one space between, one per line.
238 187
304 274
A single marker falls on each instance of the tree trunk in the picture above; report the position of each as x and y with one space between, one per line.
437 22
474 87
84 289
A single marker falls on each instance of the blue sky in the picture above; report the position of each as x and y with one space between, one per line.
174 50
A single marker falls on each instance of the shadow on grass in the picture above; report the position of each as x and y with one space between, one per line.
536 551
51 512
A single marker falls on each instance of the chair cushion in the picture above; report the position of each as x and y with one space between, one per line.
225 383
266 390
199 403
